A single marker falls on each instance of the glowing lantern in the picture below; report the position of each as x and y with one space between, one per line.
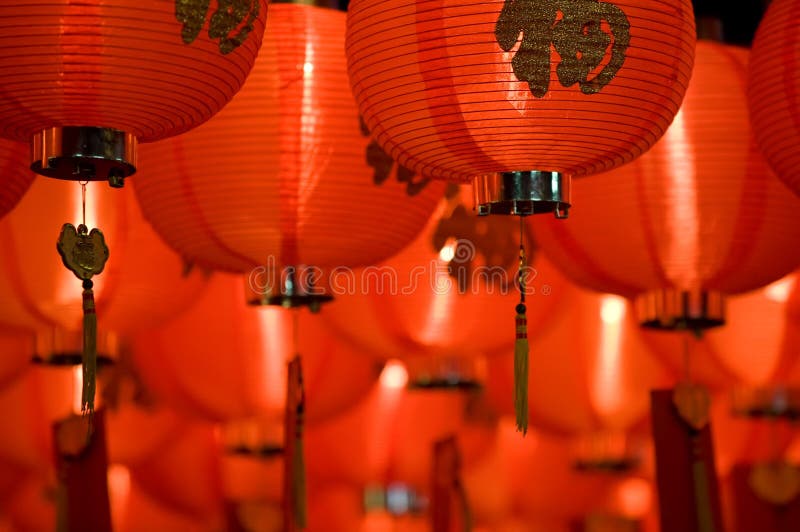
697 217
772 95
280 177
223 360
462 90
84 82
144 282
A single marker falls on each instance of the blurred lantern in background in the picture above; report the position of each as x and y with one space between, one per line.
772 90
224 361
83 84
280 180
696 218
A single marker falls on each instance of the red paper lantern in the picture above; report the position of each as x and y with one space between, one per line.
462 90
83 82
223 360
143 284
697 217
449 293
772 90
281 177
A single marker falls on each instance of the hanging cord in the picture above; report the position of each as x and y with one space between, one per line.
521 343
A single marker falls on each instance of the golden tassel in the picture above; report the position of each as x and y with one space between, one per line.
521 350
521 370
89 349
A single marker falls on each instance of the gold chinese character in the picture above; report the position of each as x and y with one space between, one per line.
230 16
580 31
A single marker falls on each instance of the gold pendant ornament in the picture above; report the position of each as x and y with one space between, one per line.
85 253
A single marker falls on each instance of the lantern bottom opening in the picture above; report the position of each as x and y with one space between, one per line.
288 287
58 346
83 153
523 193
446 373
672 310
774 402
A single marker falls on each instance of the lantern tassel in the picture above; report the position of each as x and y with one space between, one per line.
89 349
521 345
521 370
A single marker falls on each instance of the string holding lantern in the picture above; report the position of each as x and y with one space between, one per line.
771 95
466 92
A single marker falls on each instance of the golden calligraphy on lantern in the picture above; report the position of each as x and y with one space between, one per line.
580 31
231 22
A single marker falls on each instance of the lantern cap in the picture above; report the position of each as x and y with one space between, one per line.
773 402
446 372
523 193
605 452
289 287
672 309
84 153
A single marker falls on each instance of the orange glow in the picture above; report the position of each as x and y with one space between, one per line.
634 496
275 338
607 393
77 388
394 375
779 290
681 254
119 488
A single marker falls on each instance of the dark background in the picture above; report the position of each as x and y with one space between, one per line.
739 18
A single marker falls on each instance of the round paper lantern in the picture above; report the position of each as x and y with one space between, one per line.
592 373
143 284
84 82
518 96
772 94
223 360
16 178
697 217
448 294
281 178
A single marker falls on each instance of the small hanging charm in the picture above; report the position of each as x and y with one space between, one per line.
521 349
85 253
